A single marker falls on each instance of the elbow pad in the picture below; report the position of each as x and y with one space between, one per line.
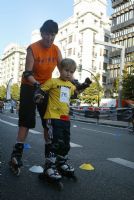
26 74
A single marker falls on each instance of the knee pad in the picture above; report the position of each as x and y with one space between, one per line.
59 148
62 148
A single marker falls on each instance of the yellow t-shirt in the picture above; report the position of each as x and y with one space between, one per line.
59 97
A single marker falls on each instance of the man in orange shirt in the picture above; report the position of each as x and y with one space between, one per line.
42 58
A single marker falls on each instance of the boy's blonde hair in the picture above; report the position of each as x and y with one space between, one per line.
68 62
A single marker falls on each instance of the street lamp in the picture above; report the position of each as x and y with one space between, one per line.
122 58
97 85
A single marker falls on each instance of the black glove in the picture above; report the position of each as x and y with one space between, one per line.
38 94
84 85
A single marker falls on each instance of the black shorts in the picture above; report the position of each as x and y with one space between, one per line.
27 108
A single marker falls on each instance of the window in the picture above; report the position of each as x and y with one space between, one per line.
104 79
70 39
105 66
106 38
70 52
105 53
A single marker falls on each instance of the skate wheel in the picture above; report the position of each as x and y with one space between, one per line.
41 176
75 178
60 186
15 169
17 172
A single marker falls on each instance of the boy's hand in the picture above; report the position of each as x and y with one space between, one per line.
84 85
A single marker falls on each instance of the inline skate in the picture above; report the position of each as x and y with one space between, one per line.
16 163
64 168
51 174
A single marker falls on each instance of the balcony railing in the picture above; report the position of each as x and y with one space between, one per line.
123 25
118 2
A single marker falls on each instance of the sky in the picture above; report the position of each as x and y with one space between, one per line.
18 18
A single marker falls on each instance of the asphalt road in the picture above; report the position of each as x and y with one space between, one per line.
109 150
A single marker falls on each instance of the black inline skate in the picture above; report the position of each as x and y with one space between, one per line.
64 168
15 163
51 174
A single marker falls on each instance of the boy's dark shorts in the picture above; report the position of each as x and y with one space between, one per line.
27 108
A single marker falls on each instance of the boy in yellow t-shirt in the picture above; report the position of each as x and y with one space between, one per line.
57 119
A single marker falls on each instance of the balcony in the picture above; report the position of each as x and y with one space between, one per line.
129 49
123 25
118 2
114 53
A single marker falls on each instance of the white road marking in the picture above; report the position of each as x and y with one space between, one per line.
34 132
99 131
13 117
106 125
74 126
9 123
123 162
75 145
37 132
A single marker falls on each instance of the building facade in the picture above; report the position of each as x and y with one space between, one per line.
76 39
12 64
77 36
122 34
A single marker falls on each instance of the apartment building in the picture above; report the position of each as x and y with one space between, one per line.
12 64
77 35
123 34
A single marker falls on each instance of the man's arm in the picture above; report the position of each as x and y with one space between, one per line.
28 73
59 58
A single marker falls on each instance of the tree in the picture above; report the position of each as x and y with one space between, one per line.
93 93
15 91
128 86
2 92
115 85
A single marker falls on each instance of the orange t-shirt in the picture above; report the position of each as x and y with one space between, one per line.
45 61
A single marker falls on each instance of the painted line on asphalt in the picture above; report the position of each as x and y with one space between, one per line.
99 124
75 145
9 123
13 117
34 132
37 132
123 162
98 131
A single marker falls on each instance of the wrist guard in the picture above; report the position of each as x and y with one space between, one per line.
82 86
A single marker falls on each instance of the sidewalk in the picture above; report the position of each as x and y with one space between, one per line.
101 121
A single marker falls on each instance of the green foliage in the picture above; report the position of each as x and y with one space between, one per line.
2 92
115 85
15 91
128 86
92 93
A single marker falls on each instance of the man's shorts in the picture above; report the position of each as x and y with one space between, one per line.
27 109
